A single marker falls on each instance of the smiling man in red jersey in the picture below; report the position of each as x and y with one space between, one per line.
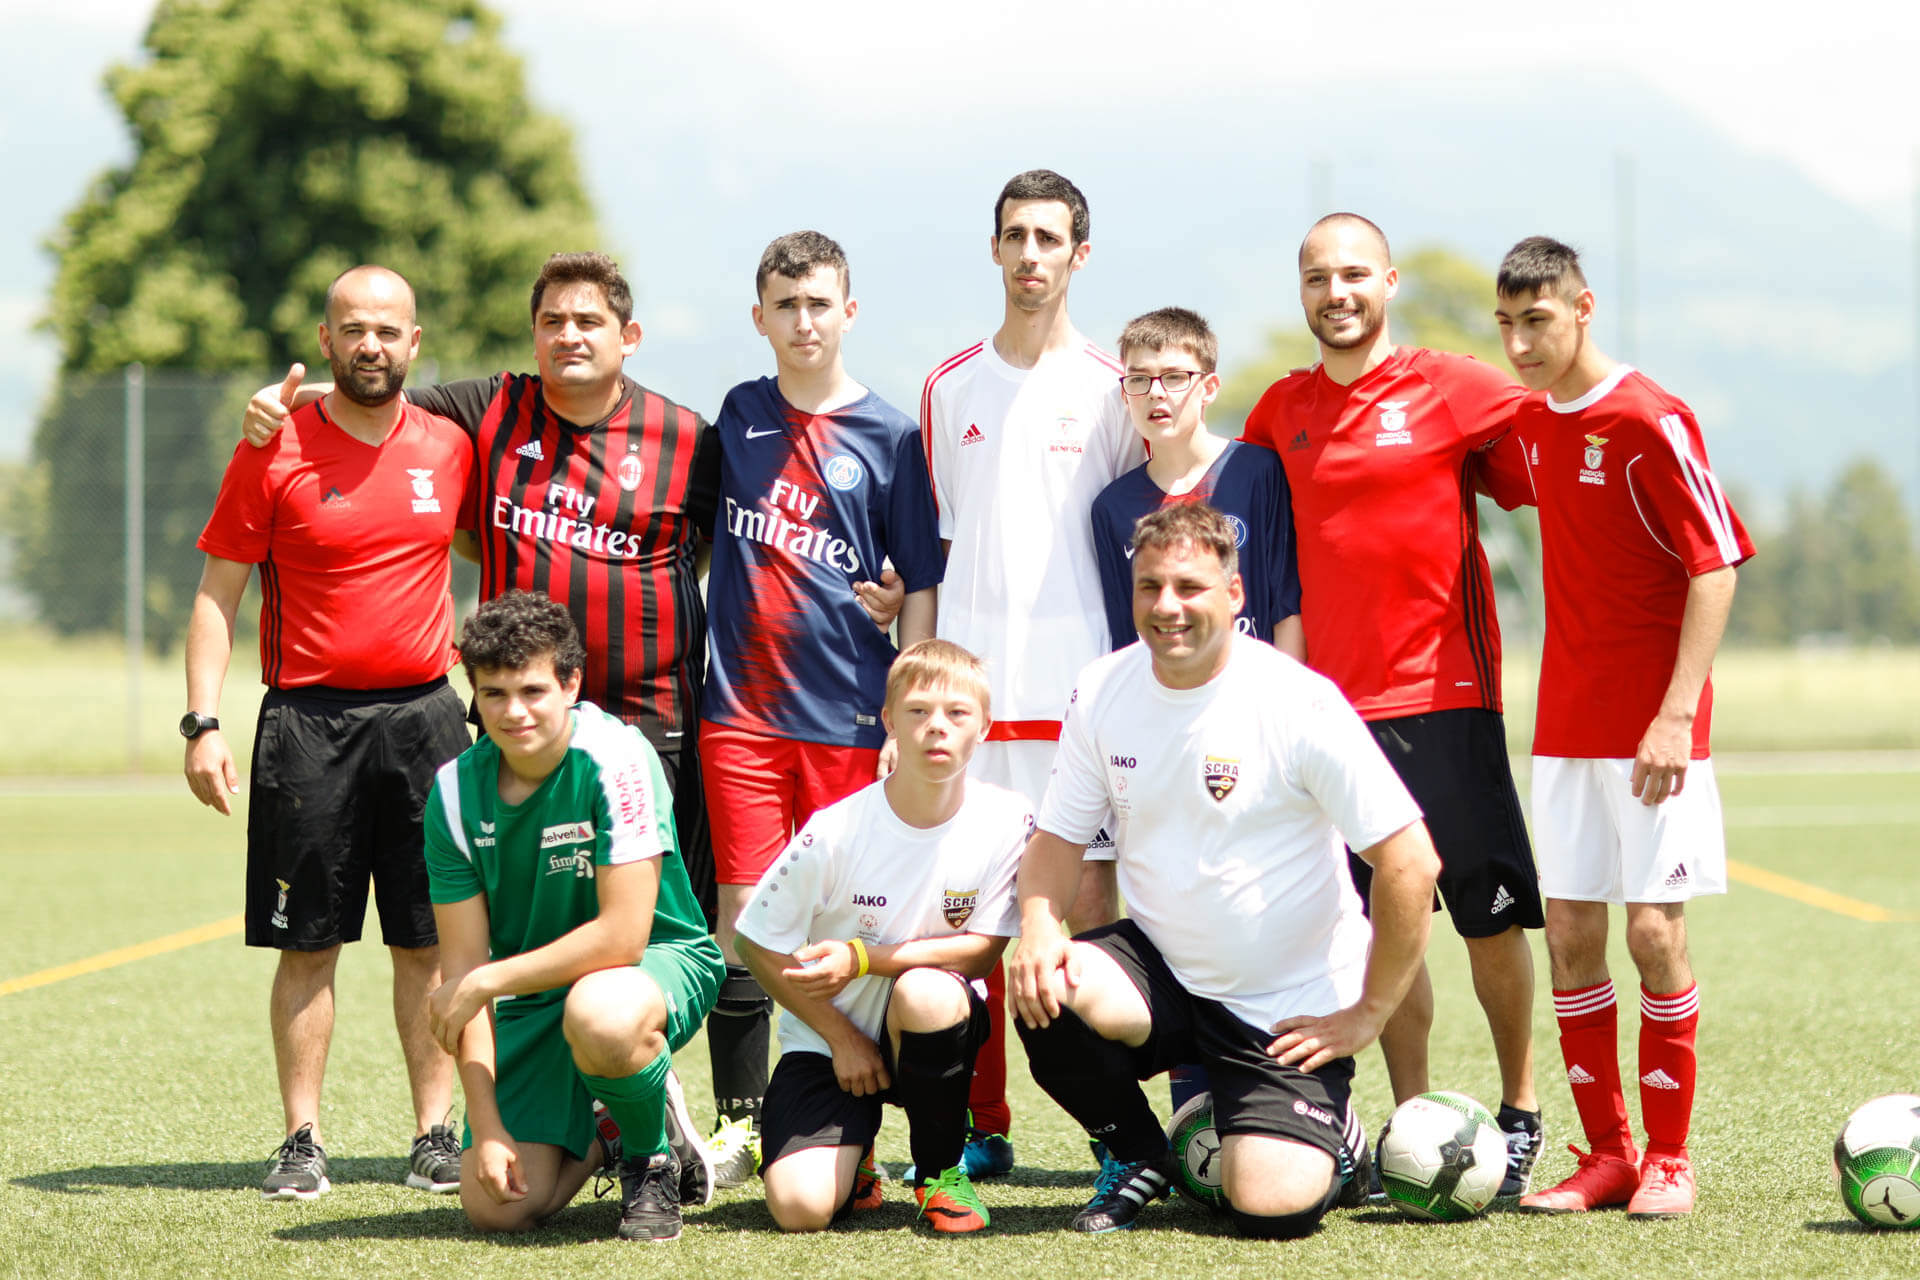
1381 447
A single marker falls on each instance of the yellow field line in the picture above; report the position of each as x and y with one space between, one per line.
125 955
1815 896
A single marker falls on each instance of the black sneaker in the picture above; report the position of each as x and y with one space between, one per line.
1525 1137
650 1199
1355 1165
299 1169
434 1164
697 1177
1121 1192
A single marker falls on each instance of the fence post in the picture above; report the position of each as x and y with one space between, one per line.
136 509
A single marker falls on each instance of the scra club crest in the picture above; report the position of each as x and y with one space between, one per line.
957 905
1221 775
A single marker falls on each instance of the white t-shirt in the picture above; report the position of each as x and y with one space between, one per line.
1017 458
857 871
1230 802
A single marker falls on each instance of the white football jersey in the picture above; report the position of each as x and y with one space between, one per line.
857 871
1017 457
1230 802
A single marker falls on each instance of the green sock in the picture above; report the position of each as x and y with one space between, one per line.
638 1104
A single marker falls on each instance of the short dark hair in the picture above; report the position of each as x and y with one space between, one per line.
1540 265
1172 327
1045 184
1187 524
798 252
511 630
1366 224
586 268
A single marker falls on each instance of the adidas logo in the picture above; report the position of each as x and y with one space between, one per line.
334 498
1658 1079
1298 442
1501 900
1678 878
531 449
1577 1074
974 435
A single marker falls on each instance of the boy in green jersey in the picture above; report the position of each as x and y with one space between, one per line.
565 910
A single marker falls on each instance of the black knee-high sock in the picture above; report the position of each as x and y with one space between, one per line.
738 1031
931 1077
1094 1081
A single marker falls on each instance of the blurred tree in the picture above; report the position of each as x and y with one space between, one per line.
276 144
1445 302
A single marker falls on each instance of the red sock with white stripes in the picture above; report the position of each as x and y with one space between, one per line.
1667 1027
1589 1041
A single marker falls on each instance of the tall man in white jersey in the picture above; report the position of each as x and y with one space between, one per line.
1023 431
1233 773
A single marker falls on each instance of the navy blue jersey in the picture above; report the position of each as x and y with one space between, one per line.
809 505
1248 486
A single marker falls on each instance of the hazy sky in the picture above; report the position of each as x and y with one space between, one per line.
1831 90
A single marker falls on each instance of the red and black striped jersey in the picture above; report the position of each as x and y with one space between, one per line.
601 518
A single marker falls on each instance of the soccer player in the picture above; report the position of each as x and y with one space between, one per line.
820 482
1381 445
577 957
350 513
873 930
1170 357
1639 546
1023 431
1228 767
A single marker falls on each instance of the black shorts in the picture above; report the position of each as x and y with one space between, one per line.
1251 1092
806 1107
340 778
1455 764
681 764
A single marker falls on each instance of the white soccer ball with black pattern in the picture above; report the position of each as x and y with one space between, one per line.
1197 1148
1442 1157
1876 1162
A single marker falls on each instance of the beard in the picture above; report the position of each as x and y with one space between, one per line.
1369 319
369 387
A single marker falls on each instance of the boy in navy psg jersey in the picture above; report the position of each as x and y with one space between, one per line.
1170 356
821 484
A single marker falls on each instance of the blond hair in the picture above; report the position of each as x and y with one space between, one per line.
938 664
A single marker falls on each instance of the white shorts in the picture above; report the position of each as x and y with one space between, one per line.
1025 765
1594 842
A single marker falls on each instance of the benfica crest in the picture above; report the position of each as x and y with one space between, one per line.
957 906
1220 775
1594 457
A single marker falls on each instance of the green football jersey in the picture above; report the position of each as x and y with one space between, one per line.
605 804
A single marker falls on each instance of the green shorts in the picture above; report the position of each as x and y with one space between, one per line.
541 1094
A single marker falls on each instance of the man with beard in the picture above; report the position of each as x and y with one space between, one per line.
1381 446
350 513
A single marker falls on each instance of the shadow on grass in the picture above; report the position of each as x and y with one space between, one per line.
576 1224
238 1175
1848 1227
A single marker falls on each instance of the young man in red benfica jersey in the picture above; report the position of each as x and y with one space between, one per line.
1639 547
349 513
1380 445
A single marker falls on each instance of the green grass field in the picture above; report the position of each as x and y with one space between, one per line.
138 1104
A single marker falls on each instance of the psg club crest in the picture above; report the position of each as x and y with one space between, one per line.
1220 775
957 905
844 472
629 472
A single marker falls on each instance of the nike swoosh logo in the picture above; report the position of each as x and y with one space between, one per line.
754 433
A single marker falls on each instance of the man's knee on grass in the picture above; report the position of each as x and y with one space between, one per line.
806 1189
1279 1189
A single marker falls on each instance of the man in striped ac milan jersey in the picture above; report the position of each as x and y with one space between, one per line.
1638 548
1381 446
820 482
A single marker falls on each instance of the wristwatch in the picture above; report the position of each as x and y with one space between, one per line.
193 724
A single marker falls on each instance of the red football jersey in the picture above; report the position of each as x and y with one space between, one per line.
1395 593
1630 512
352 541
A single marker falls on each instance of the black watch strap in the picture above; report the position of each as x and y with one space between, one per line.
193 724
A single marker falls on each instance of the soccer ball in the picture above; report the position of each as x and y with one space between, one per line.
1197 1147
1876 1162
1442 1157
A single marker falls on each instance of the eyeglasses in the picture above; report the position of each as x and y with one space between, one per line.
1172 381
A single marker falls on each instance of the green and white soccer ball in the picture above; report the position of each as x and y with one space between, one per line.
1197 1147
1442 1157
1876 1162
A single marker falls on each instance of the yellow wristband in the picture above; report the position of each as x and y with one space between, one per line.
859 956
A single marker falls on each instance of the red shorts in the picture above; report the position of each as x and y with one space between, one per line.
761 789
